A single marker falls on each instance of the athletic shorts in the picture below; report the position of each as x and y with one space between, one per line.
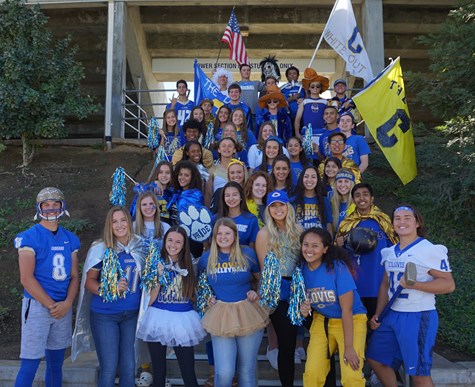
41 331
405 338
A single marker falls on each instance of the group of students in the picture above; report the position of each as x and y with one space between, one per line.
142 280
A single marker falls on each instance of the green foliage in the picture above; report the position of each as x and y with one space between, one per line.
449 89
77 225
39 77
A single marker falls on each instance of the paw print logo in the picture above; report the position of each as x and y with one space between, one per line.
196 222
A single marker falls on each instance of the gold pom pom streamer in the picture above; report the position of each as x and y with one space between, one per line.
297 296
153 137
270 282
111 274
307 140
209 138
204 293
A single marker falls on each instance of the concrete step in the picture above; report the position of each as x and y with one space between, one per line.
83 372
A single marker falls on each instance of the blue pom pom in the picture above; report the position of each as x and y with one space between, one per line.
209 139
111 274
119 190
150 277
153 138
204 293
270 282
297 296
307 140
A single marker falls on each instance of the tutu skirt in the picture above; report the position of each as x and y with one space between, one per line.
171 328
230 319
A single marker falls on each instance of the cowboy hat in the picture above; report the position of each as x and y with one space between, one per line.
273 92
310 76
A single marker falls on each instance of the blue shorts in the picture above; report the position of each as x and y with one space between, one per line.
405 337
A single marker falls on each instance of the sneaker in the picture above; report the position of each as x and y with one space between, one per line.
272 357
301 352
297 359
374 381
145 379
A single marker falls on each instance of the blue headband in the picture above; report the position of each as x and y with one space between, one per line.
275 138
345 175
403 208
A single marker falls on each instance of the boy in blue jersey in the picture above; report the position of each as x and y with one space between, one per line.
49 273
292 91
182 105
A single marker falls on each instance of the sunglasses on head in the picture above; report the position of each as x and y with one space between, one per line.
272 101
316 86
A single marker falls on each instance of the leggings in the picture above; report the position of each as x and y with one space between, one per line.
286 337
53 373
186 360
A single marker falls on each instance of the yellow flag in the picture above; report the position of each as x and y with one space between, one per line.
383 106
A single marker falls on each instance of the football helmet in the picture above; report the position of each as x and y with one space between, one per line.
54 194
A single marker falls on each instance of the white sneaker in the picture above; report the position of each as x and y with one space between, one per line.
297 359
272 357
301 352
145 380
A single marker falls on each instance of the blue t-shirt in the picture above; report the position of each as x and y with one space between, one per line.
170 297
132 298
323 289
296 169
324 147
230 284
369 269
183 111
308 216
342 213
356 146
247 226
53 258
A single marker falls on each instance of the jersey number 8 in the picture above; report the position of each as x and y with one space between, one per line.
59 271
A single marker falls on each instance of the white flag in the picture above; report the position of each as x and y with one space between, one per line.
342 34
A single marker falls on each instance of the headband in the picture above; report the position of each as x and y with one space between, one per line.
275 138
235 161
403 208
345 175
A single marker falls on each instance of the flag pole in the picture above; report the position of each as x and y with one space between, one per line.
221 47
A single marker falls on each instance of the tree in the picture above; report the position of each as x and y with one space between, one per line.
449 89
39 78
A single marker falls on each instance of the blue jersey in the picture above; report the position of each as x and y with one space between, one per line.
313 112
290 89
324 146
132 298
308 216
324 287
171 298
183 111
296 169
53 258
229 282
281 122
369 270
356 146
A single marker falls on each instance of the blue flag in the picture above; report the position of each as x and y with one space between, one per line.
205 88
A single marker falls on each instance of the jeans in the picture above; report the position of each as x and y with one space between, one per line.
114 337
227 350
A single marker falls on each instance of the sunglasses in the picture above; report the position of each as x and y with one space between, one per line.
272 101
315 87
340 142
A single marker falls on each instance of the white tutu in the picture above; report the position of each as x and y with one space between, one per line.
171 328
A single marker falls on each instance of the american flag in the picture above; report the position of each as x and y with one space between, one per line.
233 38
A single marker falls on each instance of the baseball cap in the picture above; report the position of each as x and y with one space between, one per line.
277 196
339 81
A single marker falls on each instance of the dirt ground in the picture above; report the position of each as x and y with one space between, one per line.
84 175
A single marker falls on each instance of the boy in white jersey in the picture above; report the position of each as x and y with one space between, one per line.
407 333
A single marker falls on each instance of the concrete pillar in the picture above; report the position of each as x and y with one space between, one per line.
116 68
373 33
